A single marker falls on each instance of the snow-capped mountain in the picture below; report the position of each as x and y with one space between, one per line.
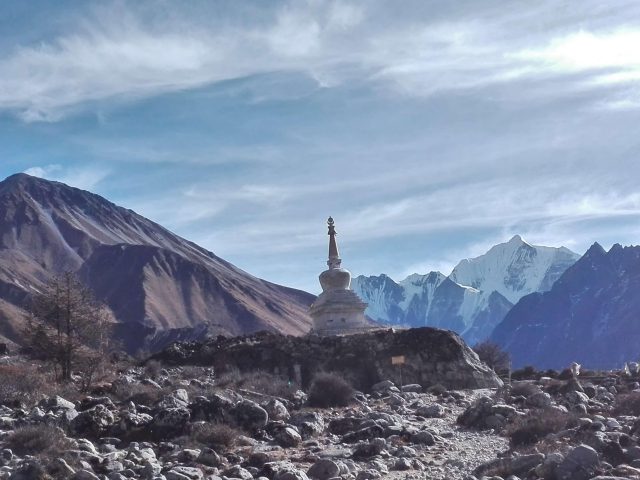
514 269
475 297
589 316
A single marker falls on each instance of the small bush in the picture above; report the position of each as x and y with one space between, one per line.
437 389
526 373
493 355
139 393
627 404
22 382
214 435
43 440
153 368
330 390
537 424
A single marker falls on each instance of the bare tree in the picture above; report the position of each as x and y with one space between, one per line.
69 328
491 354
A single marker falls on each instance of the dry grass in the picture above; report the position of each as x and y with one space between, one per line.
537 424
330 390
27 383
627 404
218 436
139 393
41 440
258 381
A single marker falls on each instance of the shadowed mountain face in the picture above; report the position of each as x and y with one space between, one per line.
590 315
158 285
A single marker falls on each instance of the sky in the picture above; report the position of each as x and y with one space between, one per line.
430 131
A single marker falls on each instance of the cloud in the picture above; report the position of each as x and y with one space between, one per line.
86 178
120 54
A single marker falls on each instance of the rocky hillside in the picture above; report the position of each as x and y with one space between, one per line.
180 423
590 315
159 286
475 297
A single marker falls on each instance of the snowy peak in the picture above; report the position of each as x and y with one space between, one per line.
514 268
475 297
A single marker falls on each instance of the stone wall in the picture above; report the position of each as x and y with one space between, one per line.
432 356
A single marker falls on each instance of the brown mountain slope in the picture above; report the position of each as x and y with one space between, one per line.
158 285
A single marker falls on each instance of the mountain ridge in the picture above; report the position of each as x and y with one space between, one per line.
589 315
475 297
145 273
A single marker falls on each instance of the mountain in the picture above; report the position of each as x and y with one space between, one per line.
514 269
158 286
475 297
590 315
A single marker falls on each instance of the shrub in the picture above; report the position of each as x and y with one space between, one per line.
260 382
214 435
627 404
330 390
152 368
43 440
437 389
526 373
138 393
537 424
493 355
21 382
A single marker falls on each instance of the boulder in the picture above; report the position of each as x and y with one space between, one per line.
249 415
579 464
324 469
93 422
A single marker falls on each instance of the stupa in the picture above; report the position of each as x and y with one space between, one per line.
337 310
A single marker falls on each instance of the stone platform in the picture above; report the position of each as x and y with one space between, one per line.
432 356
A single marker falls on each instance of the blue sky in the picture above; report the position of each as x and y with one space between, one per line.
429 130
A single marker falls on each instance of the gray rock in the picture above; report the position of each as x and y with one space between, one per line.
85 475
367 450
287 437
209 457
250 415
238 472
431 411
56 403
276 410
539 400
519 465
309 423
579 464
324 469
170 421
290 473
424 438
403 464
383 386
93 422
413 387
184 473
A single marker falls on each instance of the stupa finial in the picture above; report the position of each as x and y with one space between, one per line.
334 257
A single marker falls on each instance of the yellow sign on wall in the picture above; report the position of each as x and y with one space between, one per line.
399 360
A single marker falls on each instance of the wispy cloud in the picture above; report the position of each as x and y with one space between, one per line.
125 55
85 178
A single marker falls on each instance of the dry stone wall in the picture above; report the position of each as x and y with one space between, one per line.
431 356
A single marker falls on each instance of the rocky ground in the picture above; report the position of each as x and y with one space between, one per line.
184 423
